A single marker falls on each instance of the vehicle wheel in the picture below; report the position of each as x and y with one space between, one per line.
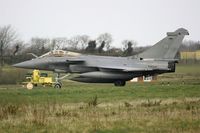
57 86
35 85
29 86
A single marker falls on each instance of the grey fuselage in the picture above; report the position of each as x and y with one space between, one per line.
98 69
158 59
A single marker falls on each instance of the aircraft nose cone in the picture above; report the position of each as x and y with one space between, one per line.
25 64
16 65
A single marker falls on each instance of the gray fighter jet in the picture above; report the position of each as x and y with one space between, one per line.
159 59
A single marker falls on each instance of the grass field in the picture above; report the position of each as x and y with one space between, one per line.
172 104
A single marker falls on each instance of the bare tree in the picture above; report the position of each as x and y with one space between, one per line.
58 43
91 47
190 45
128 46
84 41
78 42
38 45
107 38
100 48
7 38
53 45
126 42
17 47
74 42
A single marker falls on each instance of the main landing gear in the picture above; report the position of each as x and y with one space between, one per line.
120 83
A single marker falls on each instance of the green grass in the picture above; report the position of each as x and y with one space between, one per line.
172 104
188 68
76 92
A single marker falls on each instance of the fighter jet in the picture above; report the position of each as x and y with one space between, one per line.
158 59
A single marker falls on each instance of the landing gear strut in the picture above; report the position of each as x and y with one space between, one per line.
58 84
120 83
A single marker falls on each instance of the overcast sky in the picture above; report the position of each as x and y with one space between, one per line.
145 21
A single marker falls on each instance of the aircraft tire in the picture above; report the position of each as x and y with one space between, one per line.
57 86
123 83
120 83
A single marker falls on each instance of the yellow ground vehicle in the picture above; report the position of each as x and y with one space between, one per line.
36 78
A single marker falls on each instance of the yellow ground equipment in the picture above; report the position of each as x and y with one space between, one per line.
36 78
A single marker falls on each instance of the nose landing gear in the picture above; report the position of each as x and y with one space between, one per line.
58 84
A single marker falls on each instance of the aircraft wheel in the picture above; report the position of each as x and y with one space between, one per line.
123 83
117 83
60 83
57 86
120 83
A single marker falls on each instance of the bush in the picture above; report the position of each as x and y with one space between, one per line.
12 75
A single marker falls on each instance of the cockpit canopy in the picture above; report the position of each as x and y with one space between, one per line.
60 53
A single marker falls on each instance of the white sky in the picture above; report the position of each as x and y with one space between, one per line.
145 21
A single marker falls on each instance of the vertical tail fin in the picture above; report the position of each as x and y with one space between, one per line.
167 47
